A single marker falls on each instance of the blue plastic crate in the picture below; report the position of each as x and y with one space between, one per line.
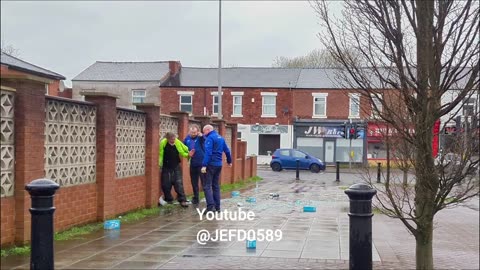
309 209
113 224
251 244
235 193
251 199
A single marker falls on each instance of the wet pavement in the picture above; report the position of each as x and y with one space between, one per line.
309 239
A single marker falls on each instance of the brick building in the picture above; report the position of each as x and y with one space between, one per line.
133 82
274 107
14 67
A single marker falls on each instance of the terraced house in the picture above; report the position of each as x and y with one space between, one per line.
274 107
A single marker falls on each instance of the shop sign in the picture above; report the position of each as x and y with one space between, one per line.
319 131
269 129
379 130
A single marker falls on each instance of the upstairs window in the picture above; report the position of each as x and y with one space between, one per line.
138 96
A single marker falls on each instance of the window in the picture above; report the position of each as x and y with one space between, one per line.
298 154
237 104
469 107
378 104
319 105
269 101
354 106
285 153
215 105
186 103
138 96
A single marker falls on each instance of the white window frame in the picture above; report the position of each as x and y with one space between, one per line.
144 96
269 94
182 94
234 95
378 97
351 97
215 94
319 95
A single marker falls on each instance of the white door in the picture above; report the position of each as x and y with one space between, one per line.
329 151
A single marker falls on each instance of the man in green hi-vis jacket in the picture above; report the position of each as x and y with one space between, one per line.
171 149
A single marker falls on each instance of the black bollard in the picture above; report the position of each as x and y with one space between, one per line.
360 196
297 173
379 172
42 192
338 172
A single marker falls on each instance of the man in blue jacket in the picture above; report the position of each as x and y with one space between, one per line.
215 146
195 143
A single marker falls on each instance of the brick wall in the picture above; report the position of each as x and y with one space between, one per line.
75 205
130 193
298 101
83 201
8 220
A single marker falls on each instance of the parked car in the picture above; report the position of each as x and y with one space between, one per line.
287 159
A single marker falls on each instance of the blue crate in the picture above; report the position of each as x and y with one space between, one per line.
113 224
251 199
309 209
235 193
251 244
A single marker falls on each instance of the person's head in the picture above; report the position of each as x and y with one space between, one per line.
194 130
170 137
207 129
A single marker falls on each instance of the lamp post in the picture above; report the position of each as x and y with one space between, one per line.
219 96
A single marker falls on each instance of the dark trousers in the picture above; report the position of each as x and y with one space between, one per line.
195 175
172 177
211 188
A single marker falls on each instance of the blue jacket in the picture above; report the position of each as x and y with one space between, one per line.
214 147
199 145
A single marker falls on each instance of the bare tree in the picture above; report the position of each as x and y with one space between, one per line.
415 51
9 49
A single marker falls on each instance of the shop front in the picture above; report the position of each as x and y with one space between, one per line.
323 139
376 146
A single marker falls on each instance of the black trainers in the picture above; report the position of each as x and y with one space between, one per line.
184 204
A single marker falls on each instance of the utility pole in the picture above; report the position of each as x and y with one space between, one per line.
350 148
219 96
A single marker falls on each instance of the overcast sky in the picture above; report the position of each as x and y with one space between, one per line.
67 37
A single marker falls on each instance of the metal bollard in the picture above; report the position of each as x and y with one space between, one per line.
297 173
42 192
360 196
338 172
379 172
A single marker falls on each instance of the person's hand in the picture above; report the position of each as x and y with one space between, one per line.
230 165
191 153
204 170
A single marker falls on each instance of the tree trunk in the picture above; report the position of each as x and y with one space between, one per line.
405 178
424 251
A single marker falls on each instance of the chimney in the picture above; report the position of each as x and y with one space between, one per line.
174 67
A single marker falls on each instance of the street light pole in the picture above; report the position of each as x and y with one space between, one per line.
219 96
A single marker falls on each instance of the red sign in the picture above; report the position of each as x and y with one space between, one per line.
436 130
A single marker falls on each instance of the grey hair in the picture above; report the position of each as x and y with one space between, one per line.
194 126
208 127
170 135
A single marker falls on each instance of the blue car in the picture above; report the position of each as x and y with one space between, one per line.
287 159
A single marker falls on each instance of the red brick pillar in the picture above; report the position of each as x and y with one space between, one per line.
221 127
182 133
234 151
222 130
106 150
29 147
204 120
242 148
152 140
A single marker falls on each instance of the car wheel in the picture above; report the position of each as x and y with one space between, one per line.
315 168
276 167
